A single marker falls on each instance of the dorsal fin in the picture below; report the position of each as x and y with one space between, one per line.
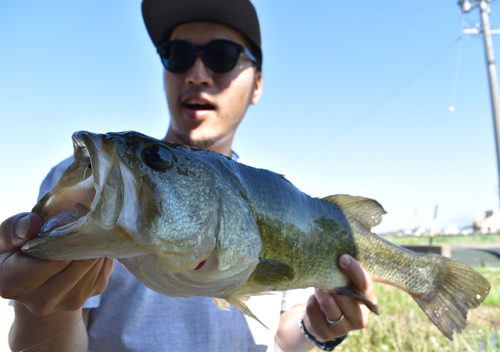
367 212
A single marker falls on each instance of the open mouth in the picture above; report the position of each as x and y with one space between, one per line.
79 212
64 217
76 193
198 104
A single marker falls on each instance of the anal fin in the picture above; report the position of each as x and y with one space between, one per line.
238 302
353 292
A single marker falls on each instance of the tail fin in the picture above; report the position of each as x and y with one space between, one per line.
444 289
458 289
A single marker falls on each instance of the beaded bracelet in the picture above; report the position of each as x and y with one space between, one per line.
325 346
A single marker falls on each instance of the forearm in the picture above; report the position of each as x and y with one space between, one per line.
289 337
63 331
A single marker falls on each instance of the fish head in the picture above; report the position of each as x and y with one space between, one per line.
127 194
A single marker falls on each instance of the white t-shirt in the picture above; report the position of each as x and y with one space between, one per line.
128 316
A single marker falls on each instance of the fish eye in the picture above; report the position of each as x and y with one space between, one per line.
157 157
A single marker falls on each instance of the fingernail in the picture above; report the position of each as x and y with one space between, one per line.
22 227
345 260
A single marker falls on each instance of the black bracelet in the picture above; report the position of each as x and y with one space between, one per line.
325 346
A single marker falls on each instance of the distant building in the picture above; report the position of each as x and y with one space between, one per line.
420 231
490 224
451 230
468 230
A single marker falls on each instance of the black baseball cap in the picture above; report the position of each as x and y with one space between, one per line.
163 16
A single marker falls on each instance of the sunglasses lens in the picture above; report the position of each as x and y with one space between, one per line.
177 56
221 56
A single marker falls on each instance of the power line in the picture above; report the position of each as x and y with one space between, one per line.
381 102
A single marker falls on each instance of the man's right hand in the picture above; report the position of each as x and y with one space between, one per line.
45 286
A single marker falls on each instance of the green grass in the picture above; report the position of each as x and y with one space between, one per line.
493 276
455 239
402 325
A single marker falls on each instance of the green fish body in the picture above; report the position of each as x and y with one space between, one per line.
189 222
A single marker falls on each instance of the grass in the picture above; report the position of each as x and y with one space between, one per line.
402 325
453 239
493 275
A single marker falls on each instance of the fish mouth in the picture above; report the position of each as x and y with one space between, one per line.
83 205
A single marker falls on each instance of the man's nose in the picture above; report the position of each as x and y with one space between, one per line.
199 75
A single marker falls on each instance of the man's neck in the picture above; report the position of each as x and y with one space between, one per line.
222 146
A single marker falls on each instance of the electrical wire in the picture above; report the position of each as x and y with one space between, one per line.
380 103
455 79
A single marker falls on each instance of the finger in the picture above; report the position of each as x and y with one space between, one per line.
17 230
101 281
316 324
71 288
358 276
328 304
19 274
93 283
355 312
314 319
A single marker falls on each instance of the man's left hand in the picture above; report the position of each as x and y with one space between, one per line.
325 304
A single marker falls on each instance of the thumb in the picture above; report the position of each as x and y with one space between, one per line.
17 230
358 276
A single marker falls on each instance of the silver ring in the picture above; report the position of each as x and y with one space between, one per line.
335 321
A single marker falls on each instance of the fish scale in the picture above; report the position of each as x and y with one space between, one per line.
190 222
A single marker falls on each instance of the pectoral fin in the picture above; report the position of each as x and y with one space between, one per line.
221 303
272 273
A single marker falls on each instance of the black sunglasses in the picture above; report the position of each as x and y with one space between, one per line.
219 55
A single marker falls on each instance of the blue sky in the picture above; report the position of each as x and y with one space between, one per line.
356 99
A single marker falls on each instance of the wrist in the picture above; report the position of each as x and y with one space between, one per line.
325 346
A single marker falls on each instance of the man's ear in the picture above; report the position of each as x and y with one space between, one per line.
258 85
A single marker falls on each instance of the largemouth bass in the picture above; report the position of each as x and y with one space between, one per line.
189 222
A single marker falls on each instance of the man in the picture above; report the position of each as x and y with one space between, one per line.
211 51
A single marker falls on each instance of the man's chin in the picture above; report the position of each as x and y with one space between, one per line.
203 143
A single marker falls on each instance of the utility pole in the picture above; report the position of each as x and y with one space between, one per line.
433 227
484 7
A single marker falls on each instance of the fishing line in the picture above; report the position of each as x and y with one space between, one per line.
380 103
465 343
85 184
65 330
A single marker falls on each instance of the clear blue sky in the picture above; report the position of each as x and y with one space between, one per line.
347 108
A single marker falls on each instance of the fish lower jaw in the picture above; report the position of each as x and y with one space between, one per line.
84 239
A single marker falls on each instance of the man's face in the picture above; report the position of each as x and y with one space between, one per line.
207 107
